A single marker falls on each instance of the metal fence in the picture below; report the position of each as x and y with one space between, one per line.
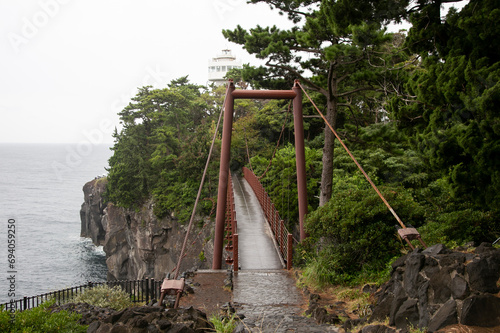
231 227
139 290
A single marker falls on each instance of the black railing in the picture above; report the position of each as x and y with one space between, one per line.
139 291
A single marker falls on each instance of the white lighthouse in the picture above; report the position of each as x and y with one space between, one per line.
220 65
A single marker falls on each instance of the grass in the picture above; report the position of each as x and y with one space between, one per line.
224 324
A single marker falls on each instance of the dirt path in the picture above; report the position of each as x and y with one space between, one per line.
209 292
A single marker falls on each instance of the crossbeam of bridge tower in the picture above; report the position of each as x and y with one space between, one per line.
296 95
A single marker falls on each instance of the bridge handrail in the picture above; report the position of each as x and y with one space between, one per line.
231 226
281 234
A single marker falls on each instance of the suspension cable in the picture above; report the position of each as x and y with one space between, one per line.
181 256
355 161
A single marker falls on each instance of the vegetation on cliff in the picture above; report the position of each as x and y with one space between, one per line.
418 110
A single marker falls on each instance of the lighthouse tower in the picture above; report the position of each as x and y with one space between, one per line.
220 65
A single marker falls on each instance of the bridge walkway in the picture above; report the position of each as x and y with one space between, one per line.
264 292
257 249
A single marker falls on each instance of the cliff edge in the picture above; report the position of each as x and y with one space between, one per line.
138 244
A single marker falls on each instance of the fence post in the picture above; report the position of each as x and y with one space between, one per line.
25 303
279 237
289 252
147 290
235 252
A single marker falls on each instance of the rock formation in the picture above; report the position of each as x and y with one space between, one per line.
139 319
92 211
138 244
437 287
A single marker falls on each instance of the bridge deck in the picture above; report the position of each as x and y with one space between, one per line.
257 249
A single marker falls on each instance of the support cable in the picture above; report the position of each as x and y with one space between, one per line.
181 256
355 161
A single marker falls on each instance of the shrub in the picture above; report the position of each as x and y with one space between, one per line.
354 235
224 324
105 297
40 319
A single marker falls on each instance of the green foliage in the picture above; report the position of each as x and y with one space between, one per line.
345 65
201 256
355 232
162 148
5 320
422 121
41 320
457 98
280 180
224 324
105 297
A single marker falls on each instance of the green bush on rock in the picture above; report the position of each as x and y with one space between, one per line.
105 297
354 235
41 320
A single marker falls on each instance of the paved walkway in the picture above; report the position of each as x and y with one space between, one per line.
263 291
255 244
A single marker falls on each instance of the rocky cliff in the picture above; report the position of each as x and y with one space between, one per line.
138 244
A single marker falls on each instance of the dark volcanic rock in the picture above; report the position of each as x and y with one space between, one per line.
407 314
438 287
481 310
446 315
92 211
139 319
138 244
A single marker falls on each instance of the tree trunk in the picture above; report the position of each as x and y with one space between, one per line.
327 172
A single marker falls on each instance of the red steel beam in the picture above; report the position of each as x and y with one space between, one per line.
223 179
296 95
300 157
264 94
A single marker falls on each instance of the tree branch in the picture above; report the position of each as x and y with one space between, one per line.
311 84
347 93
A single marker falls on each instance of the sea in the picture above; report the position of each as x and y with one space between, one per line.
40 198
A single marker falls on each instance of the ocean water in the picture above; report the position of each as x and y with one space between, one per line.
40 197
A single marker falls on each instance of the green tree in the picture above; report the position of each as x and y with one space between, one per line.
162 147
337 62
454 117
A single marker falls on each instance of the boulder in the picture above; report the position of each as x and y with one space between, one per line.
446 315
481 310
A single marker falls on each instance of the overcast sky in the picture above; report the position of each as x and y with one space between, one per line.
68 66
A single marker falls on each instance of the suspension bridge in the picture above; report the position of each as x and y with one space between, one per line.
257 243
252 242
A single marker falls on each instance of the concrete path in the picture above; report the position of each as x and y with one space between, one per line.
263 292
271 303
255 244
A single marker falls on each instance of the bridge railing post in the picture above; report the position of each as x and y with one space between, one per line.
279 237
289 255
235 253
